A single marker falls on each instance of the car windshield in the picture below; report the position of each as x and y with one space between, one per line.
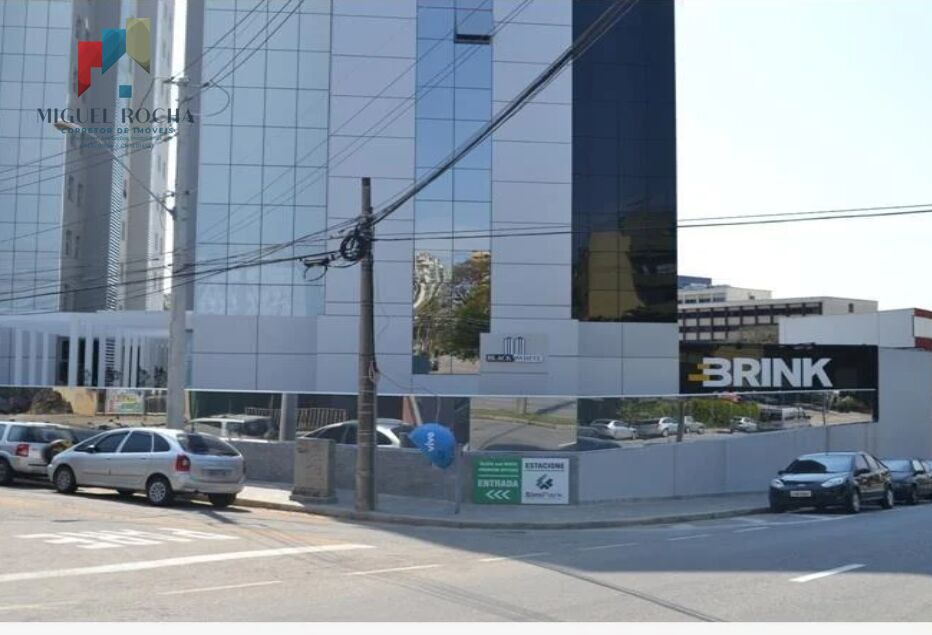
899 465
819 465
204 444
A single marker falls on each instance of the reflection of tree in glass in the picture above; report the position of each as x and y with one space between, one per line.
450 311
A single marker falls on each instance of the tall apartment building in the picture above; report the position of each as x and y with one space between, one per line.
306 98
64 200
143 218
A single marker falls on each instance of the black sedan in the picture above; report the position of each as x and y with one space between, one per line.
911 479
832 479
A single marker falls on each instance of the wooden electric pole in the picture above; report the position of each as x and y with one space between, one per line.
366 402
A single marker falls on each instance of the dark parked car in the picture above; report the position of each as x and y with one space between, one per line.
911 479
832 479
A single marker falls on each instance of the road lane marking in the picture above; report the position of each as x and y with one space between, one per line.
751 521
116 538
221 588
395 569
518 557
825 574
696 537
142 565
597 547
20 607
744 531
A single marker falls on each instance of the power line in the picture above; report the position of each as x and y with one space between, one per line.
365 137
593 33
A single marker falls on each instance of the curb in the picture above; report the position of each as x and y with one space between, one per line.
423 521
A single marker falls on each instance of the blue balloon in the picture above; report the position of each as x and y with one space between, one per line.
436 442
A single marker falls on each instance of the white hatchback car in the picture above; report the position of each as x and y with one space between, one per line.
161 463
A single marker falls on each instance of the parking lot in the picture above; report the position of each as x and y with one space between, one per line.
95 556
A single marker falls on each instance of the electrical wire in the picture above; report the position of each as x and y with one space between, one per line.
578 47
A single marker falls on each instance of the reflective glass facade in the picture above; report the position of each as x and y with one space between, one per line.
624 167
452 217
264 145
35 40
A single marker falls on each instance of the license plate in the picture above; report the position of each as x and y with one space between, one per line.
800 493
217 472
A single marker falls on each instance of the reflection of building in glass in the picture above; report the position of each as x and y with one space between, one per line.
429 278
624 169
454 88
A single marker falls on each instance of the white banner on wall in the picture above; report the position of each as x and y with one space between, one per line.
545 481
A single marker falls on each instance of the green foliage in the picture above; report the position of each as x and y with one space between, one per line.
451 321
713 412
718 413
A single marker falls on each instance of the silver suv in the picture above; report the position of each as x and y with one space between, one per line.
26 447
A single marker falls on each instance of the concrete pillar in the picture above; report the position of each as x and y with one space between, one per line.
102 361
144 359
33 358
133 360
46 352
118 358
87 376
73 354
128 360
288 418
17 357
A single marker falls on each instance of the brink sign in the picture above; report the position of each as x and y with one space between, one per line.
709 368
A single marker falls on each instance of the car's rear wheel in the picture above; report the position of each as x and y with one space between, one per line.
159 491
854 502
887 501
64 479
221 500
6 472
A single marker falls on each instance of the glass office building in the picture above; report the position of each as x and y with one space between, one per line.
543 262
263 162
35 59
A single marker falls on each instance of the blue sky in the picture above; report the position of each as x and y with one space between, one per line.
797 105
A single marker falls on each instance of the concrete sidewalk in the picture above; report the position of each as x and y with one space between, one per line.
438 513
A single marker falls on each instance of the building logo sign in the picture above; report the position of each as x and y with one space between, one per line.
767 372
514 350
723 368
134 41
521 481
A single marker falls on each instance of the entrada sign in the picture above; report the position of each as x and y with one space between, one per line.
771 367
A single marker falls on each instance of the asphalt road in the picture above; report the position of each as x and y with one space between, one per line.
94 556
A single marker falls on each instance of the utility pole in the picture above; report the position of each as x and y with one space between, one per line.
366 402
177 329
